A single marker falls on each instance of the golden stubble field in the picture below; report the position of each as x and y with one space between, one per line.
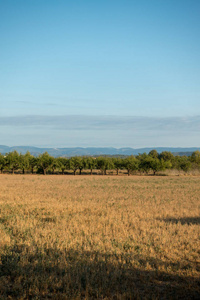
104 237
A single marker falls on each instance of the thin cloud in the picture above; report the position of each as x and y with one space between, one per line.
83 122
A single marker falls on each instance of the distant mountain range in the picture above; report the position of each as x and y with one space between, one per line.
92 151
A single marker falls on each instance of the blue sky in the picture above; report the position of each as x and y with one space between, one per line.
100 73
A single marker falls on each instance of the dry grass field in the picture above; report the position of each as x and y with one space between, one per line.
104 237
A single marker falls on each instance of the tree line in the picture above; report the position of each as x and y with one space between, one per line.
150 163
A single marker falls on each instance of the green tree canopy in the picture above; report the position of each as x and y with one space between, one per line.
182 163
2 162
76 163
131 163
166 156
44 162
195 157
104 164
118 164
153 153
13 161
25 161
91 163
63 164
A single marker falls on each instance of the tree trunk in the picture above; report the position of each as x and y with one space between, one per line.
91 172
32 170
44 171
74 172
23 171
128 172
13 170
105 172
80 171
117 171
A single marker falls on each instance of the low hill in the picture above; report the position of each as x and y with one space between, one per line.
92 151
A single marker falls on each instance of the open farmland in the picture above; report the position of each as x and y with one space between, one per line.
105 237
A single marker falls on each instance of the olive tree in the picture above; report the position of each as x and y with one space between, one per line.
13 161
104 164
195 159
76 163
2 162
183 163
131 164
44 162
25 161
91 163
118 164
63 164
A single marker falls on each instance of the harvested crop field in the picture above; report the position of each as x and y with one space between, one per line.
104 237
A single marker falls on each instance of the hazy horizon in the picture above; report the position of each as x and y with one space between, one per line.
159 147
